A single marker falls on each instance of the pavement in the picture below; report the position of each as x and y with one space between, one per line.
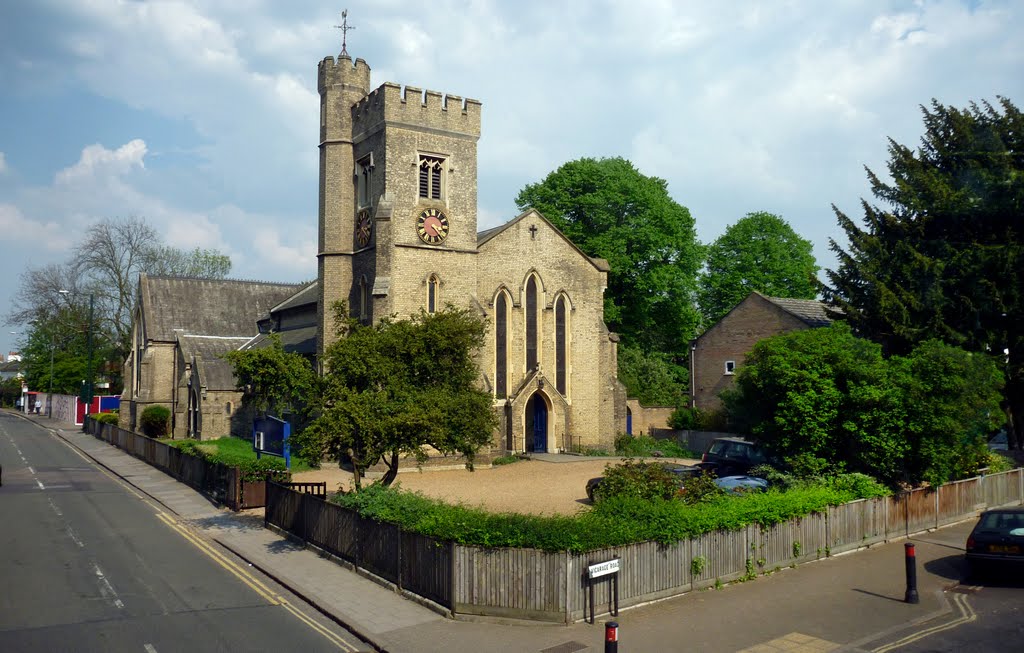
851 602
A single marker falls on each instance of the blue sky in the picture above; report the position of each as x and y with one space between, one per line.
202 116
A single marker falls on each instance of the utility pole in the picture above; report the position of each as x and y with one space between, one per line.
86 395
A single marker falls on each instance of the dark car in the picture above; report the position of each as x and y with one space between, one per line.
741 484
732 457
997 540
682 472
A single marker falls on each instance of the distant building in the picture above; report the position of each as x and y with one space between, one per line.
718 353
11 368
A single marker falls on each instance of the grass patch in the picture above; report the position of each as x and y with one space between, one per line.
236 452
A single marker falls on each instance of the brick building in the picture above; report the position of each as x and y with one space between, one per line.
718 353
398 233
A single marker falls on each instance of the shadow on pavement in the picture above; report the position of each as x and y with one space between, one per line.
284 546
230 522
952 567
881 596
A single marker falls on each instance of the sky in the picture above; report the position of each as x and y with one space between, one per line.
202 116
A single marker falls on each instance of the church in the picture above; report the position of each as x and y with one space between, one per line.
398 234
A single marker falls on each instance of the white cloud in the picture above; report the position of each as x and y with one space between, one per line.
16 228
97 161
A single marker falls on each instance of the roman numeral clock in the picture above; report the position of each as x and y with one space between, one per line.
432 226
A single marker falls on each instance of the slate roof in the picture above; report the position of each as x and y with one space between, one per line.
215 372
310 294
212 307
299 341
809 311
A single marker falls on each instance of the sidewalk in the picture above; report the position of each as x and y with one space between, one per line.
852 602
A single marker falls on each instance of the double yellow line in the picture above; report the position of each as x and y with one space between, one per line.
967 615
254 583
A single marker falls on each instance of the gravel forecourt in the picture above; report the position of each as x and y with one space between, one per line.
533 487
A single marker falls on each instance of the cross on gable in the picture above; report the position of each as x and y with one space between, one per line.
533 231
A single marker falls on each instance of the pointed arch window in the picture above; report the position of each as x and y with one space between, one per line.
531 323
501 345
364 301
431 177
561 345
433 289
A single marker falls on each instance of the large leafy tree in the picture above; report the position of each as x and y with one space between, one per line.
400 386
759 252
827 401
275 381
941 257
104 269
612 211
650 378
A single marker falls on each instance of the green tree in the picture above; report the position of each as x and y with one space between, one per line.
274 380
942 257
400 386
651 378
759 252
612 211
827 401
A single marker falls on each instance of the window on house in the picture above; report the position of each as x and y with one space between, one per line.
501 346
730 367
531 323
433 286
227 408
431 177
364 180
561 350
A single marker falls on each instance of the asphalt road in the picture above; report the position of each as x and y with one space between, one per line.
88 564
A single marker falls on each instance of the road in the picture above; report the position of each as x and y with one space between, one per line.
89 564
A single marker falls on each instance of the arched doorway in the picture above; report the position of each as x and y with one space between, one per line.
629 421
537 424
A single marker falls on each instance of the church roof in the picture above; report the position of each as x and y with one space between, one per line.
308 294
489 234
215 372
212 307
299 341
810 311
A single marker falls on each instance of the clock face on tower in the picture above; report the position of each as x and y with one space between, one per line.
364 227
432 226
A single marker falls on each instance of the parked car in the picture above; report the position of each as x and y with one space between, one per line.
682 472
997 541
732 457
742 484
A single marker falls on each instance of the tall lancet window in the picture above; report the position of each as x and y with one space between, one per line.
531 323
561 345
501 346
433 285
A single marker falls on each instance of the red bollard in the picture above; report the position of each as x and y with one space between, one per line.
611 637
911 560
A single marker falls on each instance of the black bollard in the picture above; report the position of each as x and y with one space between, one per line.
911 559
611 637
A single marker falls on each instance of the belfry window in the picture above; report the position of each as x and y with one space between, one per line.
531 323
431 177
433 286
364 180
501 346
561 345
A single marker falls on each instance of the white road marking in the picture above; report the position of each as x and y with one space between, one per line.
31 471
149 648
106 589
74 537
40 483
55 508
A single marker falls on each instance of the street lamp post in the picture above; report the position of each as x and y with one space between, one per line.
87 388
49 397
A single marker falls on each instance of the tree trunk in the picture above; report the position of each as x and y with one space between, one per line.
392 473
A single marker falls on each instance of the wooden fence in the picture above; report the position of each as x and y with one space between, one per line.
222 483
552 586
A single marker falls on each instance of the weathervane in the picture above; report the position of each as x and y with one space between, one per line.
344 27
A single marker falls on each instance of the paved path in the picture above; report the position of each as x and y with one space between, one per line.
851 602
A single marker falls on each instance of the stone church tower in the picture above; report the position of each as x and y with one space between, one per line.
398 233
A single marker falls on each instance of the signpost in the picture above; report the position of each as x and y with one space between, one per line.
270 436
599 570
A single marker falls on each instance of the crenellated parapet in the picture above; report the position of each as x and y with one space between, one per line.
413 106
343 71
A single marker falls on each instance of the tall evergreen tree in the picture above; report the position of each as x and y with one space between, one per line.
942 257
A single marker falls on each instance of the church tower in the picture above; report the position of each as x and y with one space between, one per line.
398 196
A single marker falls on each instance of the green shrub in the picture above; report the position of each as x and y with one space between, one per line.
155 421
644 445
105 418
638 479
700 488
237 452
685 419
996 462
506 460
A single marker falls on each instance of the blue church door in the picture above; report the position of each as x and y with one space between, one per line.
538 423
